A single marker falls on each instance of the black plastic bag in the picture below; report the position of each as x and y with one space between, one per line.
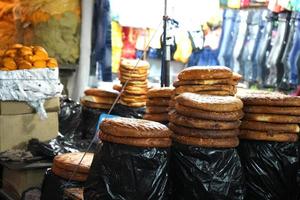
53 186
125 111
270 169
90 117
206 173
122 172
69 116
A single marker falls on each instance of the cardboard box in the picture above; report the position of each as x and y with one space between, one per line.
16 130
19 107
15 182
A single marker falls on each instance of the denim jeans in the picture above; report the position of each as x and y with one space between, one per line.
241 35
274 60
203 57
294 56
226 37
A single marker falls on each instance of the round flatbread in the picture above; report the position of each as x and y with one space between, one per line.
286 119
95 105
217 93
210 103
161 117
135 83
265 136
117 87
205 72
269 99
68 174
202 123
130 127
207 142
135 64
138 142
266 126
70 161
157 109
134 71
273 110
202 114
201 88
101 92
134 105
98 99
203 133
136 90
158 102
124 78
223 81
160 92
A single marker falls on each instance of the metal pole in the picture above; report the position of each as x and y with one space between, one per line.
165 64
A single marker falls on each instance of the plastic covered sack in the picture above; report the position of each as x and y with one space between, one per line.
270 169
69 116
206 173
125 111
122 172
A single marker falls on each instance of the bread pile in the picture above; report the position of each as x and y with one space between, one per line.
135 132
270 116
206 121
25 57
157 104
99 98
64 166
134 74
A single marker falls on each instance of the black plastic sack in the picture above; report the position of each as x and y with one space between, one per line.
125 111
270 169
53 186
204 173
69 116
122 172
90 117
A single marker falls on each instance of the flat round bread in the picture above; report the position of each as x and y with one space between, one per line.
139 142
202 114
207 142
236 77
134 105
201 88
269 99
136 90
70 161
134 64
132 75
157 109
117 87
161 117
160 92
98 99
266 126
133 100
203 133
134 71
273 110
217 93
286 119
68 174
95 105
127 78
205 72
101 92
202 123
223 81
158 102
136 83
172 103
210 103
265 136
130 127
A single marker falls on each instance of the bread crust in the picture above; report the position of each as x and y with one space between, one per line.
269 127
223 81
67 174
273 110
160 92
157 117
202 88
287 119
204 72
265 136
101 92
158 102
95 105
156 109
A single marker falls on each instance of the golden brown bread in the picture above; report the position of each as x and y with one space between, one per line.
273 110
287 119
136 104
98 99
202 88
95 105
160 92
205 72
266 126
223 81
157 117
157 109
265 136
129 127
68 174
101 92
158 101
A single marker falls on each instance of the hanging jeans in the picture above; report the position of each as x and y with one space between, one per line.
274 60
294 56
241 35
226 37
285 57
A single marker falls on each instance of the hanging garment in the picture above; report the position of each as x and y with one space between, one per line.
285 57
295 5
129 41
294 56
274 60
226 36
183 47
117 45
274 6
234 4
241 35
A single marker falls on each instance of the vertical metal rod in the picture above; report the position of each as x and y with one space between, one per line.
164 49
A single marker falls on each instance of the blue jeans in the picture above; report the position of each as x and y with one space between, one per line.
203 57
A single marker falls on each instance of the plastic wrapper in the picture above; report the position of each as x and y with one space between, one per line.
126 172
69 116
206 173
270 169
53 186
32 86
53 24
125 111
